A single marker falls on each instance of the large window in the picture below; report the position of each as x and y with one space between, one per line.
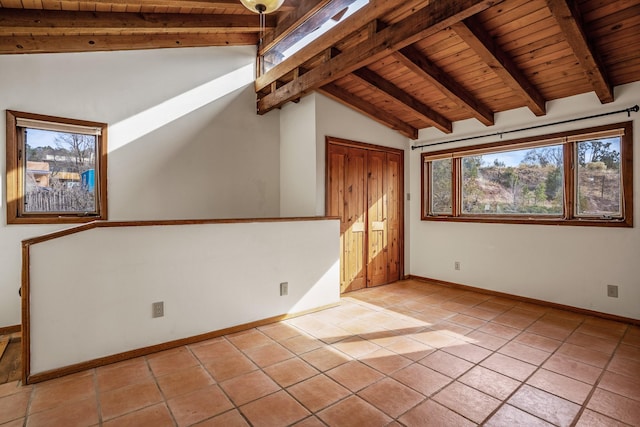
574 178
56 169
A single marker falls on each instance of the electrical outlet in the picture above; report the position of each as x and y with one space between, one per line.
456 265
612 291
157 309
284 288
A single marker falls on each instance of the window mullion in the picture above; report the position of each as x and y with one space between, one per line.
456 186
570 154
427 192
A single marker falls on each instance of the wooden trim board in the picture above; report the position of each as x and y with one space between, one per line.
5 330
78 367
528 300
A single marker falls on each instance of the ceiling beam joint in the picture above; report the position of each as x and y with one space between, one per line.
420 65
338 94
569 19
474 35
378 84
433 17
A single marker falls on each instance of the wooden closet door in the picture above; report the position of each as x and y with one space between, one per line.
377 201
364 189
394 194
346 199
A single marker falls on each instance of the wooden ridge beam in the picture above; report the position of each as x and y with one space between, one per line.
196 4
480 41
362 18
59 22
338 94
419 64
55 44
568 16
434 17
378 84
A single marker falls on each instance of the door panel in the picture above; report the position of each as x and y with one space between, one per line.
355 222
376 225
346 196
364 189
394 212
335 197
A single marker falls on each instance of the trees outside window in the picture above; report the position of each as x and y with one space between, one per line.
500 184
441 181
599 178
56 169
574 178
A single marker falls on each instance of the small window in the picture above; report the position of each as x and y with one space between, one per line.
441 187
599 178
56 169
574 178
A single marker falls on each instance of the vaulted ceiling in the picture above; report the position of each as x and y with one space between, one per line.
408 64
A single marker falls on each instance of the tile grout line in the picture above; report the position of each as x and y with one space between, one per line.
164 397
492 352
454 380
281 388
496 351
524 382
217 383
97 390
597 381
31 397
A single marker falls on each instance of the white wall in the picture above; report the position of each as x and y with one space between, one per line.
565 265
184 138
298 158
209 276
304 128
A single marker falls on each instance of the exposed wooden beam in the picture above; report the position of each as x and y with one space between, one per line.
419 64
378 84
59 22
436 16
480 41
568 17
336 93
55 44
362 18
196 4
292 20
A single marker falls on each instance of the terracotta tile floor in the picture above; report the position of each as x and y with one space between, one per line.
409 353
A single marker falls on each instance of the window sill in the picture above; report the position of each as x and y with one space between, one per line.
589 222
54 219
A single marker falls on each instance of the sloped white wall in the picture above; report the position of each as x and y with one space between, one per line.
184 138
209 276
565 265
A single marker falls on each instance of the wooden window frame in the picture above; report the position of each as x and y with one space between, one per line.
569 216
15 172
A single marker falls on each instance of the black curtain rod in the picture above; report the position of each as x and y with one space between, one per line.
629 110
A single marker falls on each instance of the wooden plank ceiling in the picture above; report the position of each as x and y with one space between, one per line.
408 64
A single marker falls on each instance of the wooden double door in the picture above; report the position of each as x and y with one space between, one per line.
364 187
